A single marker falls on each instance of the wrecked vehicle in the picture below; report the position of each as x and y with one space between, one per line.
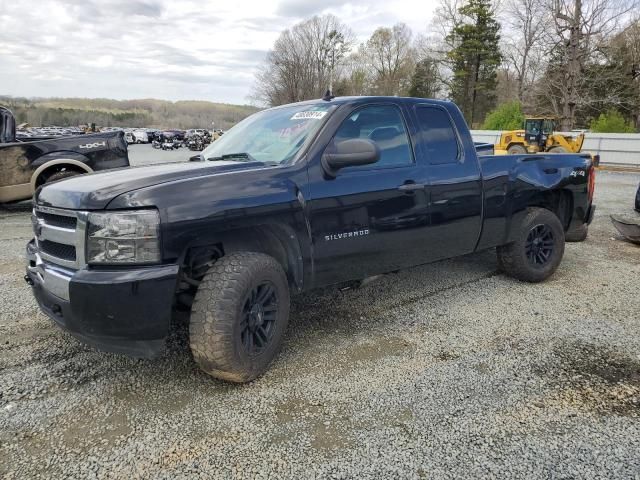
292 198
629 225
27 164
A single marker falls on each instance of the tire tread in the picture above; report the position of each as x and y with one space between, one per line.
511 258
213 314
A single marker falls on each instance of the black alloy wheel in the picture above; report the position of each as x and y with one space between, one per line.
239 316
539 245
259 316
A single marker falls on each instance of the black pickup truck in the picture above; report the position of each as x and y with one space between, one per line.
292 198
27 164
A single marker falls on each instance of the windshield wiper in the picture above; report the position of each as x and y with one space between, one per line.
241 156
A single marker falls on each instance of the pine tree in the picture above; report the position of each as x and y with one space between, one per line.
425 82
475 60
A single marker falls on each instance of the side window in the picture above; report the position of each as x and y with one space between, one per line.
382 124
437 135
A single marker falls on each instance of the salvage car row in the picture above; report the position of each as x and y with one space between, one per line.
32 157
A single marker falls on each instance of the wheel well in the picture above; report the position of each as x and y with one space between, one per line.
559 202
59 167
274 240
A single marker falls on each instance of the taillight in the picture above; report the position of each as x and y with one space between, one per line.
592 183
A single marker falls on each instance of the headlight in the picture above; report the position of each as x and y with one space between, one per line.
125 237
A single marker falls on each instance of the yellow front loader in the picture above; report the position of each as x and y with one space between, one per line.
538 136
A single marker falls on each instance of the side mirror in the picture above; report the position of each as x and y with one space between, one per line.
197 158
350 153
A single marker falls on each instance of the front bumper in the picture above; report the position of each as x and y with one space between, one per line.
119 310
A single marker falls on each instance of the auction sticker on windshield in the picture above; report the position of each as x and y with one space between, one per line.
309 115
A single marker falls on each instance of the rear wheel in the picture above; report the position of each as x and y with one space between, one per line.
239 316
538 247
517 149
61 175
557 149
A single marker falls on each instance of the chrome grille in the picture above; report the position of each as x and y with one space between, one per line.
59 250
60 236
58 220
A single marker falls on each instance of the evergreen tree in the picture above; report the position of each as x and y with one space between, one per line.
475 60
425 81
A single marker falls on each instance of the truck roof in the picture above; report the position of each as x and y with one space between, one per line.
367 99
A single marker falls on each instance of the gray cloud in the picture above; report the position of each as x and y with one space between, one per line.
95 10
307 8
187 49
152 9
265 24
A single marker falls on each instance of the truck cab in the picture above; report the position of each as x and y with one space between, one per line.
537 131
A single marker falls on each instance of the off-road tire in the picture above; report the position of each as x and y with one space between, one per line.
215 327
557 150
578 234
517 150
61 175
512 258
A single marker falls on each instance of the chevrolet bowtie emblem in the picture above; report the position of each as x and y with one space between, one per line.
38 228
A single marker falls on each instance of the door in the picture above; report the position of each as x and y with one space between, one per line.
455 185
367 220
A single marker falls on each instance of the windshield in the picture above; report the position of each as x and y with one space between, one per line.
273 136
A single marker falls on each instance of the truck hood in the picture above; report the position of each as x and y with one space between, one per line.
95 191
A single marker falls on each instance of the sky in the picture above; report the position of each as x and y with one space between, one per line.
167 49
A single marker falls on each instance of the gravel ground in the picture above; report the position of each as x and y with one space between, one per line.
449 370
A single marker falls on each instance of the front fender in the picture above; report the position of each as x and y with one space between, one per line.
260 203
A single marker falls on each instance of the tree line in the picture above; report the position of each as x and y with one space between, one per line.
125 113
576 60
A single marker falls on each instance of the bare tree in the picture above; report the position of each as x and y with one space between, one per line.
525 23
354 75
623 52
301 64
581 26
390 55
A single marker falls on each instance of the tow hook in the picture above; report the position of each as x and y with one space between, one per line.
27 279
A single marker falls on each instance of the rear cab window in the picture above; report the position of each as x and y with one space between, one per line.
437 137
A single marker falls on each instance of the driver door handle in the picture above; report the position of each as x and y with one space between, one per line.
411 187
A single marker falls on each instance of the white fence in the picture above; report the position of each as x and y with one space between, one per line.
613 148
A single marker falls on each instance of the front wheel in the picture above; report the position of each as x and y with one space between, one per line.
538 247
239 316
